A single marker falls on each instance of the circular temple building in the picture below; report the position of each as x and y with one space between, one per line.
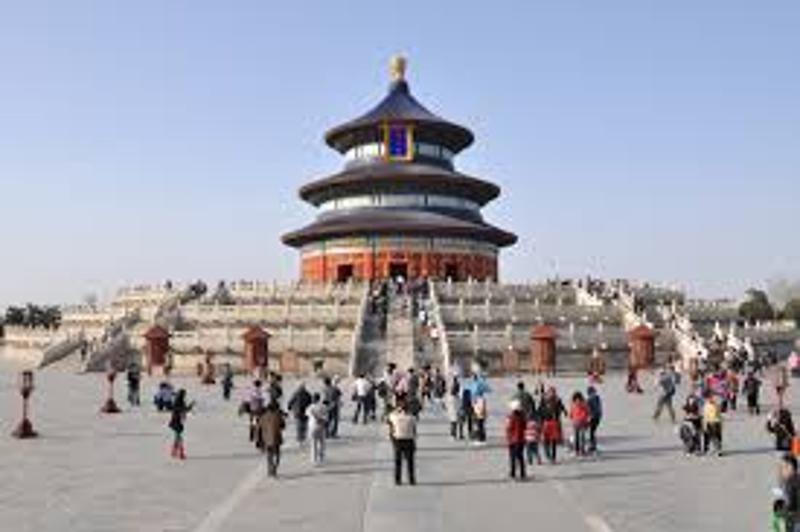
399 207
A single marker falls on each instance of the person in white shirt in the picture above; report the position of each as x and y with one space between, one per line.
403 433
360 392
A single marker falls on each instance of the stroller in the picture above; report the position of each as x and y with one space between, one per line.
690 436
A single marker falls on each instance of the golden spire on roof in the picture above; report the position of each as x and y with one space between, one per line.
397 67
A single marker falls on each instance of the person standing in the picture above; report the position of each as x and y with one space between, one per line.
515 439
751 388
332 396
255 404
712 424
526 401
177 423
452 408
595 405
317 415
781 425
271 424
134 384
227 382
360 393
579 415
298 404
551 410
403 434
480 411
666 382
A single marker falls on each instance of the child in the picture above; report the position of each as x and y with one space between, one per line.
532 434
778 520
479 410
176 423
579 415
712 421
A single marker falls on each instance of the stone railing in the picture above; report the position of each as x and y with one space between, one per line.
229 340
295 313
438 322
528 313
359 331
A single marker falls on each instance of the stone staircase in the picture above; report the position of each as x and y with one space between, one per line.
400 333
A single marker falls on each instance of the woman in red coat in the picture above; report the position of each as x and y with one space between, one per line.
515 438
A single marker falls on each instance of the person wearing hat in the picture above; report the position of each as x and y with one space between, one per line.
515 439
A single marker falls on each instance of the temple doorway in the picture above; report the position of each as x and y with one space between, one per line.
398 269
344 272
451 271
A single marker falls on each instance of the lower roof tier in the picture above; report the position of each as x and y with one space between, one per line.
410 222
394 176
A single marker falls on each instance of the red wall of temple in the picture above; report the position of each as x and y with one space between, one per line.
419 264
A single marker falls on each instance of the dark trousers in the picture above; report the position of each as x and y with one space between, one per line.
712 435
361 408
664 401
752 404
454 430
516 458
273 460
580 440
593 424
404 450
332 427
480 430
133 395
550 448
301 424
532 451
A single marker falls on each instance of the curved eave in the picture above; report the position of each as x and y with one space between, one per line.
399 106
409 222
415 176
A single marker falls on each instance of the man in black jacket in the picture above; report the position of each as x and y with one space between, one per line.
298 404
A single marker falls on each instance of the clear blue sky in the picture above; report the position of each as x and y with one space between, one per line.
148 140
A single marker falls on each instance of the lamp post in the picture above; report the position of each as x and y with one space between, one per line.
110 406
25 428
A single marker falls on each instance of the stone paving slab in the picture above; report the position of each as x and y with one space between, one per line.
90 472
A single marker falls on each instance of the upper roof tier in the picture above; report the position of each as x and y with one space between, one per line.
399 106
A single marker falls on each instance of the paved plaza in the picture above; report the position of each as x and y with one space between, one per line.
93 472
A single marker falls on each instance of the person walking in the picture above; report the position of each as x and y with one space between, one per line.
666 382
272 422
595 405
781 425
134 384
317 415
298 404
332 397
255 404
452 407
227 382
515 439
403 434
177 423
526 401
466 415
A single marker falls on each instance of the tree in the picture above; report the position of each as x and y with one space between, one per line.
756 306
792 310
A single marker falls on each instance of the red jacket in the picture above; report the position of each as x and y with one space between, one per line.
515 428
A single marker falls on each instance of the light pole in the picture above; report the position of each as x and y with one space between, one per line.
25 428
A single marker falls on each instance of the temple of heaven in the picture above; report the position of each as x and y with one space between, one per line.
399 207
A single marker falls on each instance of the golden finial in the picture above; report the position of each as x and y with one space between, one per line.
397 67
